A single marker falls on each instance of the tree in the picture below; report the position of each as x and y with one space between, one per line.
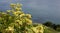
58 27
48 23
54 26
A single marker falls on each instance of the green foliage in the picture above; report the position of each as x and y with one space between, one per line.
51 25
48 23
49 30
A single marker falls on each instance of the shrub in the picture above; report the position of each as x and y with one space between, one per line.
16 21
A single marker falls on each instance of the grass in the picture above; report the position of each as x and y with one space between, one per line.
49 30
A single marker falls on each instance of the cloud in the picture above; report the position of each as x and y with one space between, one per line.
49 9
46 9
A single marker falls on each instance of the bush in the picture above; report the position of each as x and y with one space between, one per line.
16 21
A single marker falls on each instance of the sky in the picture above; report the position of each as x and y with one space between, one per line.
41 10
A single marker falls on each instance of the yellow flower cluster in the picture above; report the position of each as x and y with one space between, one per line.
17 13
8 11
18 9
12 5
34 29
22 15
28 16
10 29
19 22
28 21
19 5
38 29
25 15
16 19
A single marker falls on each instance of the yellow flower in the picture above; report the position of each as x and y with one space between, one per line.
40 28
34 29
28 15
19 12
22 15
28 21
18 9
15 13
12 5
19 5
10 29
8 11
19 22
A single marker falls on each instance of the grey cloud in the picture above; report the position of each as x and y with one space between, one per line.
46 9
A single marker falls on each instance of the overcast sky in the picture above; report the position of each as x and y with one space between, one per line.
41 10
